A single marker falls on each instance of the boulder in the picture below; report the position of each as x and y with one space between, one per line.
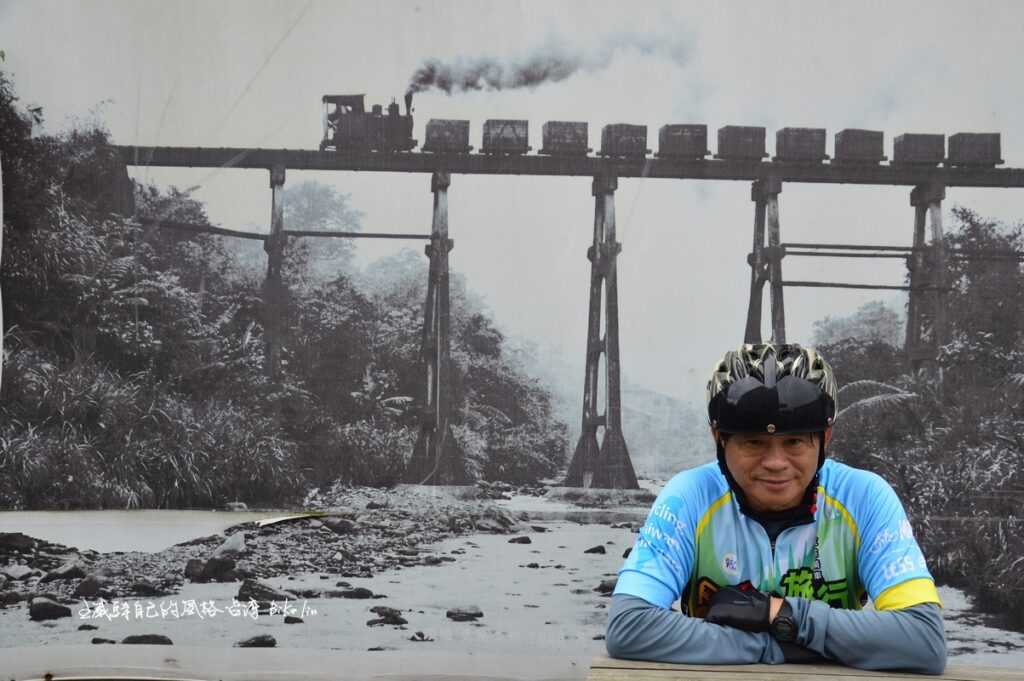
520 540
262 593
340 525
46 609
218 570
90 587
9 598
292 619
261 641
148 639
386 616
194 569
97 640
232 546
16 541
596 549
468 614
73 569
358 592
18 572
146 588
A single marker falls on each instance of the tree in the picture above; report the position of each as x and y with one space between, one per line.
873 321
312 206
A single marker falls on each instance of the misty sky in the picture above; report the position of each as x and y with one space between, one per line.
251 74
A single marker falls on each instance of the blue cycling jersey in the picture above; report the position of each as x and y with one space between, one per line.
696 540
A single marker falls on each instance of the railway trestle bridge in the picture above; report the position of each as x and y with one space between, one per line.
437 458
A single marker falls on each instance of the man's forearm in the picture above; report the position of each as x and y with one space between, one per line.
638 630
912 639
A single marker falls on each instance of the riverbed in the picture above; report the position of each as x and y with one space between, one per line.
537 597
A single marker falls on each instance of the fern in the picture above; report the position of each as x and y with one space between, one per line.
878 405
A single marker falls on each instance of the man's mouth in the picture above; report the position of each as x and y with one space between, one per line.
775 484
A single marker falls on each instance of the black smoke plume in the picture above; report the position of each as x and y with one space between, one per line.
549 65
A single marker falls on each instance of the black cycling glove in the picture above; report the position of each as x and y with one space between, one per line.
747 610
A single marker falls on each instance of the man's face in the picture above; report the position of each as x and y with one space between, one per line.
773 470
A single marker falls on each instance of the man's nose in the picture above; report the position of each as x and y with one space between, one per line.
775 456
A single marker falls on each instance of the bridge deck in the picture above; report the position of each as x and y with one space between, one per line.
608 669
710 169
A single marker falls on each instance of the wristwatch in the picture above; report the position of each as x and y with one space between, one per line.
783 627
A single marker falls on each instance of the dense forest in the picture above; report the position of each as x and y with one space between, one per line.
950 437
133 357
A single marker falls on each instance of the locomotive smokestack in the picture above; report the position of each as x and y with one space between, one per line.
408 103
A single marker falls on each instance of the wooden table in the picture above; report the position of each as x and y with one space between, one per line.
608 669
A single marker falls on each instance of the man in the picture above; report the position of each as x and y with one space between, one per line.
774 549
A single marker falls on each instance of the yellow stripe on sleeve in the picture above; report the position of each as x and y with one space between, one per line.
850 522
721 501
906 594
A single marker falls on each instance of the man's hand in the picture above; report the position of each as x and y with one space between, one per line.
748 610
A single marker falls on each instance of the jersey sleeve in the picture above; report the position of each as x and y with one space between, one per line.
662 558
891 564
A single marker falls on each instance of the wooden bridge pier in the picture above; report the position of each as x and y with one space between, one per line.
273 287
766 262
927 326
437 458
607 466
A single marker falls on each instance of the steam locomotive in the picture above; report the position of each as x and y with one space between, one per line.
348 126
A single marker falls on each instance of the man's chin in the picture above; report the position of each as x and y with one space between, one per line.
776 502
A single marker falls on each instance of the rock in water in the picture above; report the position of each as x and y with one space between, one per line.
596 549
470 614
232 546
97 639
358 592
262 594
292 619
45 609
262 641
520 540
236 506
607 585
148 639
387 616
